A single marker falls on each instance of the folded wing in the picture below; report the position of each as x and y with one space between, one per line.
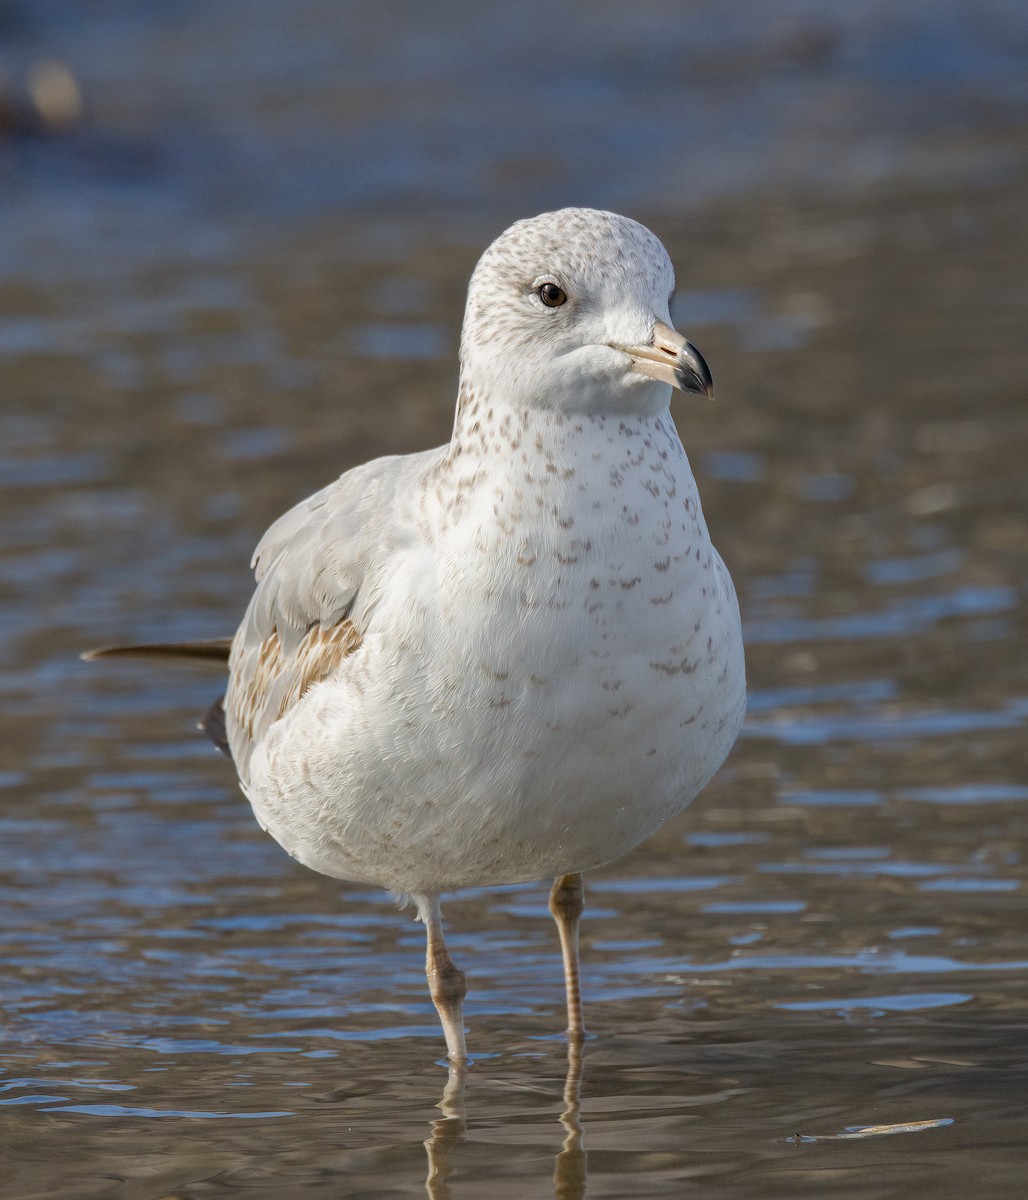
320 572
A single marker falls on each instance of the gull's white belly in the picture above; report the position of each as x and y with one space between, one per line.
531 702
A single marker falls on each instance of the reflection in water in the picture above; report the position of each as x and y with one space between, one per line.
570 1164
447 1132
570 1168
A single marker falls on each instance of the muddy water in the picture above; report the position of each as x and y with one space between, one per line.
814 982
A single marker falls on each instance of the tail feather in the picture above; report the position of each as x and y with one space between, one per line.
213 725
213 650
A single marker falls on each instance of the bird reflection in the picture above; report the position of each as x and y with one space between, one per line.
569 1167
447 1132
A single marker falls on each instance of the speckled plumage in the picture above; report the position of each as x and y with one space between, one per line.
513 656
516 655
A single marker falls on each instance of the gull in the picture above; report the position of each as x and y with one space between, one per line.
513 657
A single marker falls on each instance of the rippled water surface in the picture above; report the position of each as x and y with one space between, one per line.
244 274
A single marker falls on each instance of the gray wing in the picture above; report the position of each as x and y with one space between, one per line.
320 571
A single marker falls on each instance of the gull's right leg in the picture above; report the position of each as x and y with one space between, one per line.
446 982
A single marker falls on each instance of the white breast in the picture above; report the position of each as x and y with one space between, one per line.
553 671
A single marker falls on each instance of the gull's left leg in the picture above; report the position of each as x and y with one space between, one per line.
446 981
567 899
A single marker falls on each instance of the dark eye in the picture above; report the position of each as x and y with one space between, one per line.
551 295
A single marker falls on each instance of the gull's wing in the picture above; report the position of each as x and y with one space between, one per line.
320 571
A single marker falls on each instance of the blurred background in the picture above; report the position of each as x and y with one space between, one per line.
234 243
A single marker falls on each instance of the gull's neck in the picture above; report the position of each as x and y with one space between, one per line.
531 466
496 428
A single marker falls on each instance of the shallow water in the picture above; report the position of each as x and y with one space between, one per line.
814 982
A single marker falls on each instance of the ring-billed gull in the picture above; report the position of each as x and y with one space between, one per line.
515 656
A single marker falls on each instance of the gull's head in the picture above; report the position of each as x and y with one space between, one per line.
569 311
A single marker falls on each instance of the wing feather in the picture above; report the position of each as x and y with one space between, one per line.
320 570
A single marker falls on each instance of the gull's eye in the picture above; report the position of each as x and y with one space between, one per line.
551 295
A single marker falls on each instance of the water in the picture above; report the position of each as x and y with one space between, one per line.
244 274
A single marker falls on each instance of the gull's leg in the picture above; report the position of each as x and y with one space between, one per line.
567 900
446 982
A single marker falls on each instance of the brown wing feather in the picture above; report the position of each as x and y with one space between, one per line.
278 679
